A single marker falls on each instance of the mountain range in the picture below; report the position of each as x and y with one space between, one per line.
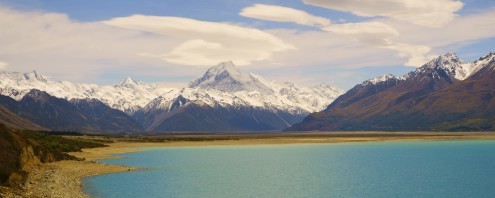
445 94
223 99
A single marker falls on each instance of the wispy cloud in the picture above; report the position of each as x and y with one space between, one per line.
54 44
464 29
380 35
283 14
429 13
207 42
372 33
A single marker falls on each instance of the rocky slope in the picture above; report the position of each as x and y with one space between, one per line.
18 154
443 94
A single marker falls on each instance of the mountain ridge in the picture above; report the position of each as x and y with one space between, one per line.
247 100
129 95
435 96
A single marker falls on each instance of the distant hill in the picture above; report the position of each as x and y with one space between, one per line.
445 94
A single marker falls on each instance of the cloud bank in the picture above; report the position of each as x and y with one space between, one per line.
207 42
55 45
375 34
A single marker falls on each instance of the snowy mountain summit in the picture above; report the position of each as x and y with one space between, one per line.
127 82
380 79
226 77
450 65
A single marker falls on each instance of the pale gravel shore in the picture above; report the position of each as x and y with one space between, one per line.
63 179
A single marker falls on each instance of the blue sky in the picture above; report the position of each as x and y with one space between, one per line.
304 41
211 10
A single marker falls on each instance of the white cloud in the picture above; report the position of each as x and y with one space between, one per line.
322 49
199 52
465 29
417 54
57 46
283 14
380 35
207 42
54 45
3 65
431 13
375 34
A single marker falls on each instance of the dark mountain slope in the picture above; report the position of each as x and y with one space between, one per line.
11 119
104 117
187 115
466 106
52 113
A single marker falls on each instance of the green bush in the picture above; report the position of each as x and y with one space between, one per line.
60 144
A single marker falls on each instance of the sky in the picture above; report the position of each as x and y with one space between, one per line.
171 42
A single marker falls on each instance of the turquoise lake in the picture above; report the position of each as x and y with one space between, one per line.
376 169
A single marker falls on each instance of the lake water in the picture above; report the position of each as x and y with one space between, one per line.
377 169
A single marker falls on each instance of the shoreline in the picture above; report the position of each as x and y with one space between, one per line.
64 178
138 144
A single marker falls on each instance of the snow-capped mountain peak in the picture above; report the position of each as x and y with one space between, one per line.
449 57
34 76
226 77
226 68
480 63
127 82
449 64
383 78
489 56
447 60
